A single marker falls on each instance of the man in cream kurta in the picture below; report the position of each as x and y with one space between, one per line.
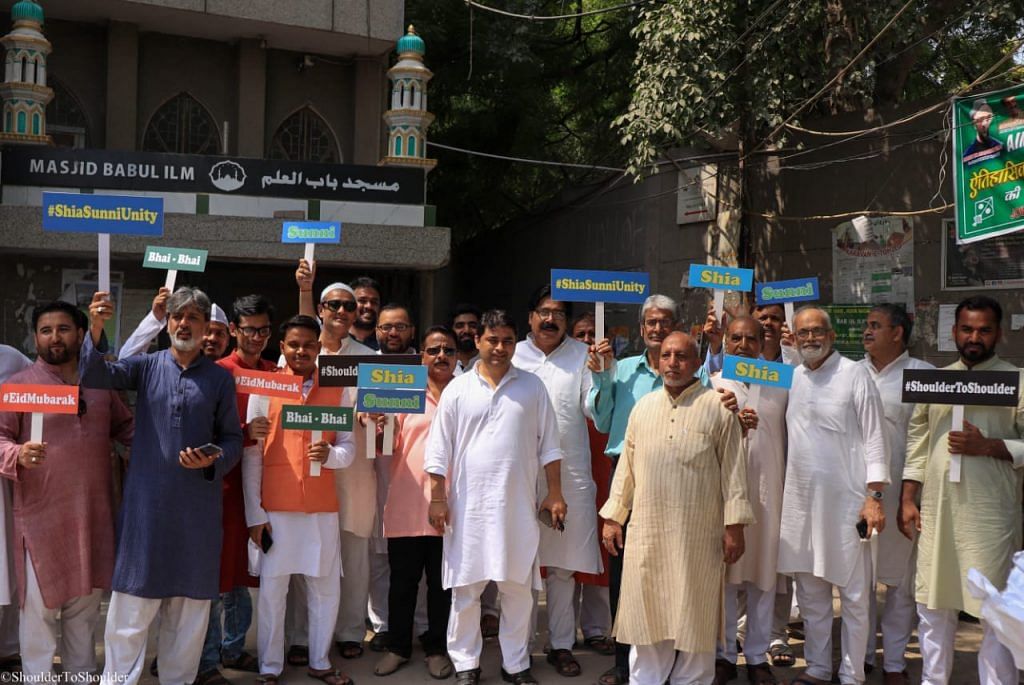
763 414
681 481
836 471
494 430
975 523
561 363
886 335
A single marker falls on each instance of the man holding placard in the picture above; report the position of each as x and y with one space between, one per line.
561 363
763 398
292 511
886 337
214 343
169 530
974 522
836 471
63 523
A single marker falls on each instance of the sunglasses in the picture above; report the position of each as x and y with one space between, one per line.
335 305
439 349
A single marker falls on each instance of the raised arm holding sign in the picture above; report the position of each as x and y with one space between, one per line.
310 233
786 293
720 279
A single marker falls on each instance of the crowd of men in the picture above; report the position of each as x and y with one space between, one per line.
698 512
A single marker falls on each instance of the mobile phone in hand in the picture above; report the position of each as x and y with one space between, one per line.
266 541
862 529
210 450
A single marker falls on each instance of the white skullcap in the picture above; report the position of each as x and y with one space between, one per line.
217 315
336 286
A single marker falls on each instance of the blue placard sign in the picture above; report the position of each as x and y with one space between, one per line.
398 376
311 232
795 290
757 371
391 401
576 285
721 277
86 213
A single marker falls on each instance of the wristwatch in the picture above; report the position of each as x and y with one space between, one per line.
877 495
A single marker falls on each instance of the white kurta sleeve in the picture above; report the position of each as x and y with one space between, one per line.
620 499
871 416
141 338
549 447
732 455
1016 447
252 484
440 446
342 452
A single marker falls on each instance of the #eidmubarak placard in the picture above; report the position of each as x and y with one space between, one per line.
37 400
268 384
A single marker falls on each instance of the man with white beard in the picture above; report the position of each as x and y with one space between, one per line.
836 473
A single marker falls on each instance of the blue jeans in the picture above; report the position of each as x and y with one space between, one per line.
227 643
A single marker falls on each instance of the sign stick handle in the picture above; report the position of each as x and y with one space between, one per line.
719 305
599 326
371 439
753 396
389 435
172 276
259 405
314 466
954 459
103 262
36 432
788 306
310 247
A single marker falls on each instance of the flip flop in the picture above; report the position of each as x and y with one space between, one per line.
782 655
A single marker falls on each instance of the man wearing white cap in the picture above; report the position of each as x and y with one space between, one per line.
214 343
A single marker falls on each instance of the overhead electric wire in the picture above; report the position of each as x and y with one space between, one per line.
558 17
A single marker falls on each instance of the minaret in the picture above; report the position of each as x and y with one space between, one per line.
408 118
24 89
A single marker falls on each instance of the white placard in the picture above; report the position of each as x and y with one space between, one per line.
172 276
103 262
790 313
954 459
389 435
599 328
310 247
314 466
36 428
371 438
719 296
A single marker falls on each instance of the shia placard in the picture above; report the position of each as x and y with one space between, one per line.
720 279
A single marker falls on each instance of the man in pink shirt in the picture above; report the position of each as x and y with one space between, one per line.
414 545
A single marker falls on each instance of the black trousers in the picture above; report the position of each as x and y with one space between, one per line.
614 587
409 558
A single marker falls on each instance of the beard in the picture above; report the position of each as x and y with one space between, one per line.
466 344
55 358
183 345
814 354
975 353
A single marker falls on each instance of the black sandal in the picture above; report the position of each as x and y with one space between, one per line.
350 649
564 662
761 674
298 655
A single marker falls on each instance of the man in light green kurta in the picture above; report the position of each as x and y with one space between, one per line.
681 481
975 523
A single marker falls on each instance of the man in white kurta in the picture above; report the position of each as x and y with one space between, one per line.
975 523
886 335
561 363
763 414
836 472
303 528
494 430
681 481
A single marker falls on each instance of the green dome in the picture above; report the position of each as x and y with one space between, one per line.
411 42
27 10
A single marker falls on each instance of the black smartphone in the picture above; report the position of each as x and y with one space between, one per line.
862 529
210 450
266 541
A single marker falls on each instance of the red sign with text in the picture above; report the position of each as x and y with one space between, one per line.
268 384
42 399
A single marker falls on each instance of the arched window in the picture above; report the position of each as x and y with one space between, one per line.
182 125
304 137
65 118
412 146
21 122
398 146
35 125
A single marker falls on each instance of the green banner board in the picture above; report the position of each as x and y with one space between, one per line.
849 321
988 164
299 417
178 258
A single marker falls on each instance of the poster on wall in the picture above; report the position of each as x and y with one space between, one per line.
873 261
986 265
697 199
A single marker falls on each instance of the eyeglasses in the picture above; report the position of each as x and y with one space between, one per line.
440 349
388 327
658 323
805 333
253 331
335 305
555 314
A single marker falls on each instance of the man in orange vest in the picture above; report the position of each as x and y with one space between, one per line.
292 513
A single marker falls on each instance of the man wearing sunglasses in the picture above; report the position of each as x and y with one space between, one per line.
561 363
64 520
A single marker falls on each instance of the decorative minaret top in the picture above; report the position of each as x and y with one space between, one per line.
408 118
24 89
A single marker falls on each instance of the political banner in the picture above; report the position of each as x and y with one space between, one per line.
342 370
988 164
268 384
177 258
391 401
127 214
720 277
377 375
794 290
311 232
967 388
757 371
301 417
28 398
621 287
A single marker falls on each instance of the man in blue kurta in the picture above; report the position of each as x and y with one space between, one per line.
169 527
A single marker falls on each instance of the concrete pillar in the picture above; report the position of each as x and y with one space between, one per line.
429 310
371 85
252 99
122 86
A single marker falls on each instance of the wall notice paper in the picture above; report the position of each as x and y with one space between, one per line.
873 262
985 265
944 329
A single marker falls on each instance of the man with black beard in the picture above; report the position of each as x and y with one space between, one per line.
465 322
367 293
395 331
